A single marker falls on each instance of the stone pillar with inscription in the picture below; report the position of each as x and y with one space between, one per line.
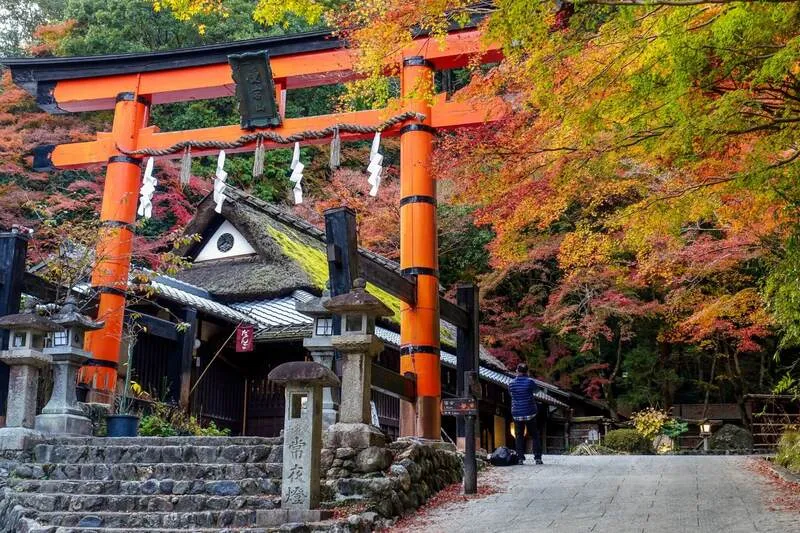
302 442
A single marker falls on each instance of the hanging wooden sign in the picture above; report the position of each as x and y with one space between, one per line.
244 338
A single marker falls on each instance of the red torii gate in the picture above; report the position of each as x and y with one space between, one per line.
131 83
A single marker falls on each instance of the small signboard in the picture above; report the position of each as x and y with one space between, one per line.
244 338
459 407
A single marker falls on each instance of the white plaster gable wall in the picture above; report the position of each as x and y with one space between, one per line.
211 249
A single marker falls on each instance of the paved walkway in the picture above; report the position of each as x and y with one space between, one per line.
621 494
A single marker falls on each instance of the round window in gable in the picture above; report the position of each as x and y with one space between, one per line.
225 242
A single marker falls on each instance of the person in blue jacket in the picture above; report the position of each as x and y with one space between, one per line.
524 410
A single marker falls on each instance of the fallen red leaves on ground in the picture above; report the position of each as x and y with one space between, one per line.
341 513
490 481
787 493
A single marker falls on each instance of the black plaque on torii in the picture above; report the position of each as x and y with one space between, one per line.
255 90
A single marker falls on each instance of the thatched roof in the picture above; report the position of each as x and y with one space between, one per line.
245 278
270 274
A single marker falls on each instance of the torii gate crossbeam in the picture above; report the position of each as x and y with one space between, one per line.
130 84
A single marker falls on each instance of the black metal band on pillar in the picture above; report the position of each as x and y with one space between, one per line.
104 289
129 97
417 127
410 349
43 158
417 61
117 224
102 362
417 199
125 159
416 271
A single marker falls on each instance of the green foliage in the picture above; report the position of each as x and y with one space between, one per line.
462 245
117 26
645 375
19 20
788 453
673 428
156 426
788 384
627 440
167 421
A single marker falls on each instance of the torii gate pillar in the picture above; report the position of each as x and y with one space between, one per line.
419 323
113 259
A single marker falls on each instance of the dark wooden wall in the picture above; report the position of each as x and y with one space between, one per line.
13 248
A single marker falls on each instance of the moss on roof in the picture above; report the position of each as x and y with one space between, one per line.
313 261
310 259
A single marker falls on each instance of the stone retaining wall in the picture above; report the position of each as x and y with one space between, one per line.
415 470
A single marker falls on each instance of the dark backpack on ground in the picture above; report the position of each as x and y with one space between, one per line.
503 456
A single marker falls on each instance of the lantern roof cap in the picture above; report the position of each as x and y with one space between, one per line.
304 372
69 316
30 320
358 300
315 307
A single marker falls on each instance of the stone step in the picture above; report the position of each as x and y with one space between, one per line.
143 471
164 441
149 520
187 453
53 529
226 487
93 503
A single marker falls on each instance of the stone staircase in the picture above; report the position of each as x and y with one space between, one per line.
143 484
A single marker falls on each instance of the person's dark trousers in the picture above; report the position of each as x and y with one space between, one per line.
533 431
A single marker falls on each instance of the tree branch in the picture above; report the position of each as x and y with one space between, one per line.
679 3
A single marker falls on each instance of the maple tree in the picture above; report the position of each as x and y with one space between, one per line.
632 220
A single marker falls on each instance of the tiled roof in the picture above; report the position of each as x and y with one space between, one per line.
276 311
278 318
186 294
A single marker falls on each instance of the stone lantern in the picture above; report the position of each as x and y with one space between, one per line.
61 415
321 349
27 338
358 345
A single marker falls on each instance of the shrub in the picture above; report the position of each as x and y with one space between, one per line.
649 422
591 449
627 440
788 454
167 421
673 428
731 437
155 426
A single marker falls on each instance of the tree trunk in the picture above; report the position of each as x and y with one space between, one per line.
608 388
740 388
710 382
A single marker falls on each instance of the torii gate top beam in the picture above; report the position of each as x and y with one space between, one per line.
132 83
74 84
